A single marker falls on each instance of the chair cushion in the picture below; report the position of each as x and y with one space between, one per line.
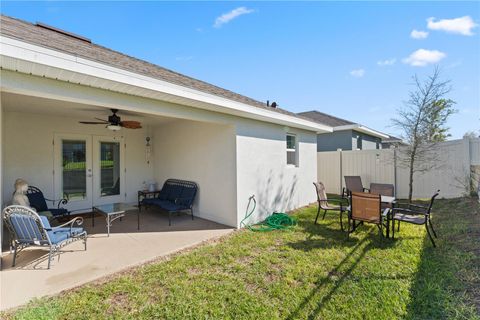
164 204
175 192
169 206
26 228
75 231
57 237
59 212
45 222
37 201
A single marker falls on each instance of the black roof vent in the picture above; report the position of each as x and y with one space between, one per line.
274 104
73 35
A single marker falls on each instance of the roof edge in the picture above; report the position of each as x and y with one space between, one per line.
361 128
34 53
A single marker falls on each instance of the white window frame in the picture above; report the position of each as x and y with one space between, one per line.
294 150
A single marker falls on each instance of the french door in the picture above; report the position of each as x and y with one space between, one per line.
89 170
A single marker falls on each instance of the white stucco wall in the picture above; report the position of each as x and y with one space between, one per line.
28 151
230 157
204 153
262 169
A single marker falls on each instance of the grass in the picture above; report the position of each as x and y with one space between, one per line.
312 272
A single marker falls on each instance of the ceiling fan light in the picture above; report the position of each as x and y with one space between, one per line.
113 127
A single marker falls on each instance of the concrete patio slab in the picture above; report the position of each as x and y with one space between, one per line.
126 247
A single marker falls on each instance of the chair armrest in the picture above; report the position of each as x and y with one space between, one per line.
77 220
409 212
61 202
339 201
411 205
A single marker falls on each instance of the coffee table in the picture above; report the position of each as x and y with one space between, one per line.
114 211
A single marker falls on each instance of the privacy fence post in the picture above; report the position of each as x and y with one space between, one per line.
467 162
340 170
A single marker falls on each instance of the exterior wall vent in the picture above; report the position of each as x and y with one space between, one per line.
73 35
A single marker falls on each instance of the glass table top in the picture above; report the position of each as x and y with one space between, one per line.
113 208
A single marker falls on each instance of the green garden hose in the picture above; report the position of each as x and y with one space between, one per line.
276 221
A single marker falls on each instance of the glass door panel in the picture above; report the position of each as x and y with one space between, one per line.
73 170
108 170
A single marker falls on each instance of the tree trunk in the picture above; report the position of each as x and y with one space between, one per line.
410 178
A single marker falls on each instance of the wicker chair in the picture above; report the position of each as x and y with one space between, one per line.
27 229
323 203
366 207
415 214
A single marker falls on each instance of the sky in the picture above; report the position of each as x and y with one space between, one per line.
353 60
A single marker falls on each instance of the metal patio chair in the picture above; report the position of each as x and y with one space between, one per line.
353 184
415 214
323 203
384 189
366 207
27 229
39 202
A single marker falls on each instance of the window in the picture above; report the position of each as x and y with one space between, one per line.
292 150
359 143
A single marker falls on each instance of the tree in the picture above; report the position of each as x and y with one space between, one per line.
471 135
423 121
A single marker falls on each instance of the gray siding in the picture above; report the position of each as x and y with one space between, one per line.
334 140
368 142
347 140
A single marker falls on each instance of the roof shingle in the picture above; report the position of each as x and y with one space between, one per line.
325 119
28 32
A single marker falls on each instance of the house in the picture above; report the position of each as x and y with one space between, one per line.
232 146
392 142
346 135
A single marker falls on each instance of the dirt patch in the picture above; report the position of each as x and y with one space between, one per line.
119 301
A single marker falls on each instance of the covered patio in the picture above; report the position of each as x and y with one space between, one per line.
126 247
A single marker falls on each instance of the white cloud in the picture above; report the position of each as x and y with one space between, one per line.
357 73
416 34
388 62
463 25
229 16
423 57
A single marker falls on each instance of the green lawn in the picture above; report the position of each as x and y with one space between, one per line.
312 272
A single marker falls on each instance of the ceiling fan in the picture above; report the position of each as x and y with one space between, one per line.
115 123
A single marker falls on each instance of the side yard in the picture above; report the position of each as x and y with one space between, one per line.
312 272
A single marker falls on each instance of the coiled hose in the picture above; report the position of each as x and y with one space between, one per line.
276 221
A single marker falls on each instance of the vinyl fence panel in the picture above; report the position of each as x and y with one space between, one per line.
450 170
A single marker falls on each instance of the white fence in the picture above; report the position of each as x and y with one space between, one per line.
457 163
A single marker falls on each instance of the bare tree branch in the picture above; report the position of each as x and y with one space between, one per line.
423 121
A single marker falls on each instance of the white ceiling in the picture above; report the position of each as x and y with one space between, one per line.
21 103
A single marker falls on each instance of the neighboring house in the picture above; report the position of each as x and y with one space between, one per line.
392 141
231 145
346 135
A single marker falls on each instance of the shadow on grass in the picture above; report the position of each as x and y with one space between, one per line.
328 235
321 283
447 281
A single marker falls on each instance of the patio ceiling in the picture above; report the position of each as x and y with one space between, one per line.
12 102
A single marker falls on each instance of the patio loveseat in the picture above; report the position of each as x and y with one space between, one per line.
175 196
